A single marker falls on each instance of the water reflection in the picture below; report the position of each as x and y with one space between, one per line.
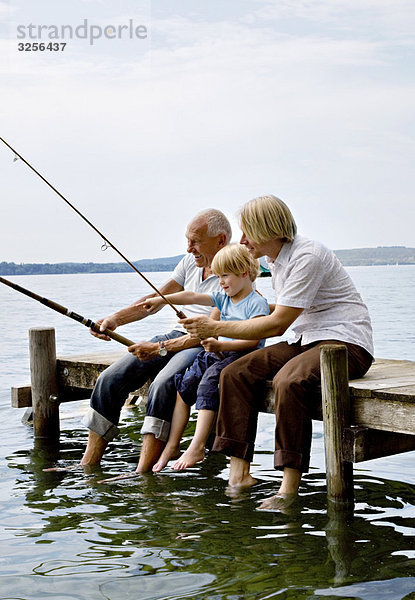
179 535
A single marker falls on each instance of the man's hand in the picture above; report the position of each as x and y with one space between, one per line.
145 350
107 323
211 344
201 326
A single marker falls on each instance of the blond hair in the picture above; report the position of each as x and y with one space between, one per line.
235 258
265 218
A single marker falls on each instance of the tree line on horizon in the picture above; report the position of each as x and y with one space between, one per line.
382 255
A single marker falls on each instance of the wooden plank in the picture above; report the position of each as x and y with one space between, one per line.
361 444
382 384
21 396
387 415
398 394
82 371
386 373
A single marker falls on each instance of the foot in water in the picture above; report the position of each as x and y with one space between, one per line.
169 453
279 502
191 457
235 489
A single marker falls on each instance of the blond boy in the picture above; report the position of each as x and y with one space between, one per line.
199 384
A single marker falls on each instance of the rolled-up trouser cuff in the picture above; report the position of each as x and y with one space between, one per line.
159 428
244 450
292 460
100 425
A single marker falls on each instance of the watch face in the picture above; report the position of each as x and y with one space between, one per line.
162 351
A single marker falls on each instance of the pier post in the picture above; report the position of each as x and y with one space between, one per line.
45 403
336 416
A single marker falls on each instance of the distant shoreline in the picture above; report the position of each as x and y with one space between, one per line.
357 257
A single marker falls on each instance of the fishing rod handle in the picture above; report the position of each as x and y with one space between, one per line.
114 336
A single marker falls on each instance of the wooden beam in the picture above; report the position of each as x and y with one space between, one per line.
44 383
22 396
387 415
336 416
360 443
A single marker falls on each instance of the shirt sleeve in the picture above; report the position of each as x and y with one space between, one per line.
218 299
302 283
179 273
257 307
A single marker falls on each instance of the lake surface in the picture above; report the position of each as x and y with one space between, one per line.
176 536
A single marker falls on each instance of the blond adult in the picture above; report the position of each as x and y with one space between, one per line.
316 298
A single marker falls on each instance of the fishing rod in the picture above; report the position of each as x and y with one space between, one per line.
68 313
107 244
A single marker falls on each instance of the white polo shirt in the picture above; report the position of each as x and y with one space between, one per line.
189 276
307 275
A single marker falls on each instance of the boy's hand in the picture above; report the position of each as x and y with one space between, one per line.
211 344
151 303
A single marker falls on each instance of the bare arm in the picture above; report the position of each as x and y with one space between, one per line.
135 312
148 350
211 344
184 297
272 325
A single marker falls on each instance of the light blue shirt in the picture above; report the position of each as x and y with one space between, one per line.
253 305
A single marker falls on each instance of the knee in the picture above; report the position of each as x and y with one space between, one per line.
160 385
286 388
228 374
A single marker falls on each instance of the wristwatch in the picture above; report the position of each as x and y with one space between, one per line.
162 349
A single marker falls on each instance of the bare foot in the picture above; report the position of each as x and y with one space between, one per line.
236 487
242 482
169 453
189 458
279 502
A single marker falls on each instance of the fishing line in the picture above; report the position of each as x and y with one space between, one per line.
107 243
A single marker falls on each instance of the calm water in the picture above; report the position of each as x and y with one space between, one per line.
177 536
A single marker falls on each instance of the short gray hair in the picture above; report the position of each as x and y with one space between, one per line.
216 223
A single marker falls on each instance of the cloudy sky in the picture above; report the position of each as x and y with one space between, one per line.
312 100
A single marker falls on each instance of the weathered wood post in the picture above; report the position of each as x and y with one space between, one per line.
336 416
45 403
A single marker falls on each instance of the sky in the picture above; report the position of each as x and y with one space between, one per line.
220 102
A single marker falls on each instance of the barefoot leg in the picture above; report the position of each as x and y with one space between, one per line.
170 451
151 450
94 450
196 451
179 421
239 475
194 454
287 494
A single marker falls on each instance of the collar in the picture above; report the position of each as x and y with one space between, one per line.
283 255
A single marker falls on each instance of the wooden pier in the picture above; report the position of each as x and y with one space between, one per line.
366 418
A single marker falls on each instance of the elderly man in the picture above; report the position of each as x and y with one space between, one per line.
162 356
